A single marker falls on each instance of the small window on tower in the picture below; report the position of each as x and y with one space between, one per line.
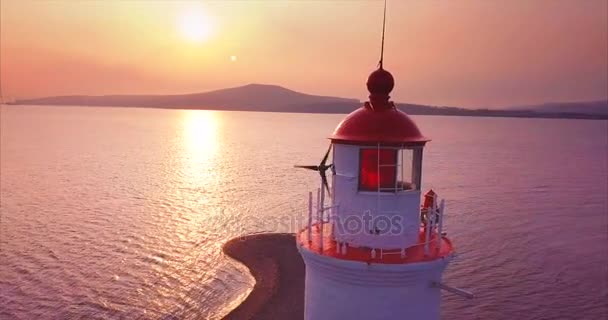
378 169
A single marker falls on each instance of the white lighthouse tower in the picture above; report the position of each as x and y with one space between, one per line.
371 250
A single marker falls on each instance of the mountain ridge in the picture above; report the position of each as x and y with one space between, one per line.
275 98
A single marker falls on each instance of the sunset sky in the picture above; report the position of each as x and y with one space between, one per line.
485 53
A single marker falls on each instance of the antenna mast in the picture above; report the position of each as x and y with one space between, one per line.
383 28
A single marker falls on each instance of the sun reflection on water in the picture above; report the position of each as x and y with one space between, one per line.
200 176
200 135
197 190
195 226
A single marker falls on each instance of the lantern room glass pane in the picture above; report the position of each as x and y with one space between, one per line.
417 168
378 169
406 157
407 176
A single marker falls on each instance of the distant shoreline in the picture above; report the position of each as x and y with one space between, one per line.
273 98
441 111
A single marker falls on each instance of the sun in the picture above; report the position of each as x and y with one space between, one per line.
194 25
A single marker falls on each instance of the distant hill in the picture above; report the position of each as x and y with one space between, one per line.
261 97
589 107
251 97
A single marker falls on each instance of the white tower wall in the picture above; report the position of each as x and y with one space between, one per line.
401 210
340 289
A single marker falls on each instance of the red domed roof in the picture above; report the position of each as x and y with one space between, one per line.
388 126
378 121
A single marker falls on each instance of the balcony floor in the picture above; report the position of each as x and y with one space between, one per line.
413 254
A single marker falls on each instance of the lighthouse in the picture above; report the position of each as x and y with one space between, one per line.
373 248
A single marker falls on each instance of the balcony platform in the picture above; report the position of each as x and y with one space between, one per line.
413 254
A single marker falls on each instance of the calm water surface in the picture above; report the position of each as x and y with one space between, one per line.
121 213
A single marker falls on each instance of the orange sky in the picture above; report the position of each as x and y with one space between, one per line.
482 53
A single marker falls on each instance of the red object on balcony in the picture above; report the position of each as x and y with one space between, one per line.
429 199
369 177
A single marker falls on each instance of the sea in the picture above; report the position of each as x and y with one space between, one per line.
121 213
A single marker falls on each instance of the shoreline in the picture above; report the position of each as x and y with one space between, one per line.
497 113
278 269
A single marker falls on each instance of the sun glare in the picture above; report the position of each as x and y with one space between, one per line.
200 132
200 144
194 25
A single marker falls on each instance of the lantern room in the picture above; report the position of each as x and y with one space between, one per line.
377 172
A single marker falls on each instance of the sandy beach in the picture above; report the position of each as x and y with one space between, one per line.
278 269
